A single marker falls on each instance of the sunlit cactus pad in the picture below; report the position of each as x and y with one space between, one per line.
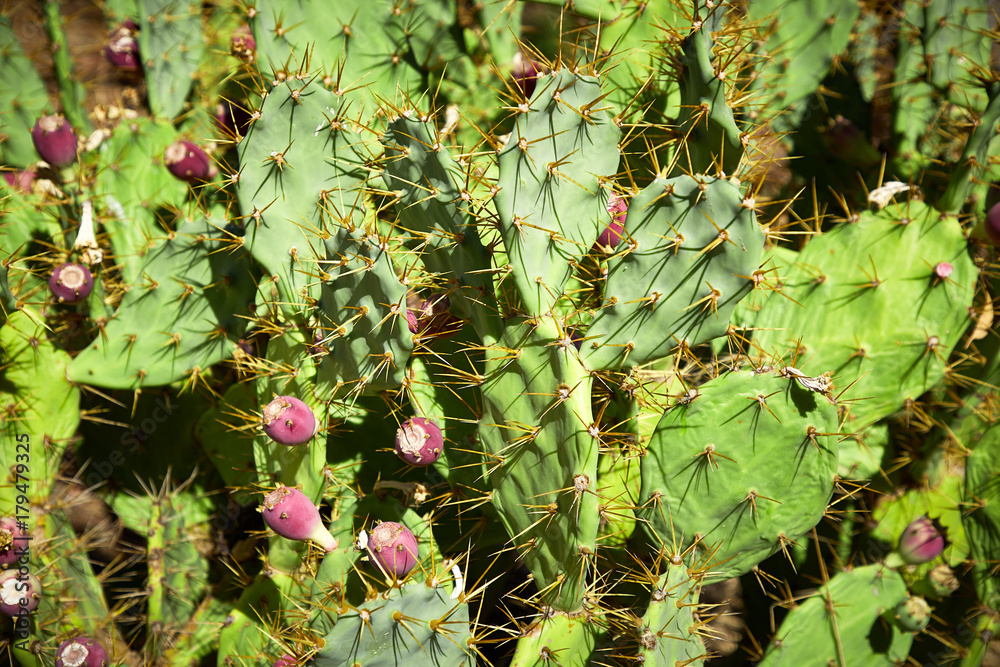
434 333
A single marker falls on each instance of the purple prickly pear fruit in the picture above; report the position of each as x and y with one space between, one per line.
412 323
393 549
122 50
289 513
8 547
242 45
913 614
286 661
419 442
525 76
612 235
188 162
433 318
81 652
71 283
921 542
289 421
19 180
54 140
848 142
18 591
575 337
232 119
943 270
993 224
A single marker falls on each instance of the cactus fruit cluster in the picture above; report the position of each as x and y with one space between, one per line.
438 334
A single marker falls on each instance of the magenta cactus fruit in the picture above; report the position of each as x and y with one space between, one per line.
286 661
412 323
19 180
8 546
54 140
289 421
993 224
232 119
433 318
71 283
525 76
393 549
122 50
419 442
188 162
81 652
242 44
921 542
18 591
289 513
612 234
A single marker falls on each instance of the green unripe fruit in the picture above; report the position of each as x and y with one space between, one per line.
913 614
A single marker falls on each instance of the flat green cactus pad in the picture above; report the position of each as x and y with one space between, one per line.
982 516
416 626
39 410
541 447
854 633
746 468
693 246
180 318
864 303
666 636
551 202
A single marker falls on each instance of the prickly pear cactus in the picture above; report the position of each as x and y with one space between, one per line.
692 302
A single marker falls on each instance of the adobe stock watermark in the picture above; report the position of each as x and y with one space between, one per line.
19 593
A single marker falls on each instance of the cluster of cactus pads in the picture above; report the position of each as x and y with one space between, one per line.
428 333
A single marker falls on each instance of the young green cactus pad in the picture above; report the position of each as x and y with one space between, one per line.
667 632
570 638
939 583
289 421
704 480
913 614
293 516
